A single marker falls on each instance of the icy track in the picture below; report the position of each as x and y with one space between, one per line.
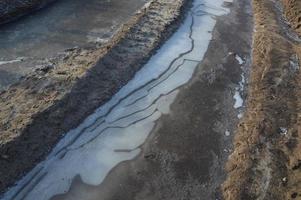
116 130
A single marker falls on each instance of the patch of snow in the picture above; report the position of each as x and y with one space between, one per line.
238 100
240 115
239 59
227 133
12 61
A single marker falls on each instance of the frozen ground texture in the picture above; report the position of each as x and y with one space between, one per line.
116 130
62 92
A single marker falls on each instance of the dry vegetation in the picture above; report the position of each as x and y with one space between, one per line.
292 11
266 162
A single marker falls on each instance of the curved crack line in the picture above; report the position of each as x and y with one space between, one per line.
135 122
131 93
26 183
74 139
36 180
114 127
125 97
97 124
152 103
65 148
176 59
40 178
149 89
162 81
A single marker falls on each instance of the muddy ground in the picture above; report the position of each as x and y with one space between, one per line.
265 163
38 110
185 154
36 39
13 9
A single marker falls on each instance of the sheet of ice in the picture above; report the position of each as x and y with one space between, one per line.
116 130
11 61
238 100
239 59
240 115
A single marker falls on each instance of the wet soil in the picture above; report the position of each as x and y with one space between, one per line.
185 154
265 163
13 9
38 110
37 38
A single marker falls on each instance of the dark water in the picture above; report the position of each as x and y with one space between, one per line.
62 25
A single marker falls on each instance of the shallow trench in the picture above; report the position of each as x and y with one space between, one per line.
116 130
34 39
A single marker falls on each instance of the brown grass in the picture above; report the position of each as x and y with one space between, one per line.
292 11
265 154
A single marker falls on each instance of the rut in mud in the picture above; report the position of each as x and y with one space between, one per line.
60 104
266 159
116 130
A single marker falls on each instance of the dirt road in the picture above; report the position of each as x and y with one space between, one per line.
184 156
211 113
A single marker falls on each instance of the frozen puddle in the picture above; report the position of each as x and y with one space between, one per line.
12 61
116 130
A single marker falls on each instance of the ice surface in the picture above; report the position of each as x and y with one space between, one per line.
93 148
11 61
238 100
239 59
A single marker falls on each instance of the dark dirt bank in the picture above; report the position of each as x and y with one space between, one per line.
266 160
38 110
185 155
13 9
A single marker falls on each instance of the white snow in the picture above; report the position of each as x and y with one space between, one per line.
12 61
239 59
240 115
227 133
238 100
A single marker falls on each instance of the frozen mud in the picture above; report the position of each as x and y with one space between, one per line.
116 130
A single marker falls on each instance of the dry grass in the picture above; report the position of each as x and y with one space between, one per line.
267 149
